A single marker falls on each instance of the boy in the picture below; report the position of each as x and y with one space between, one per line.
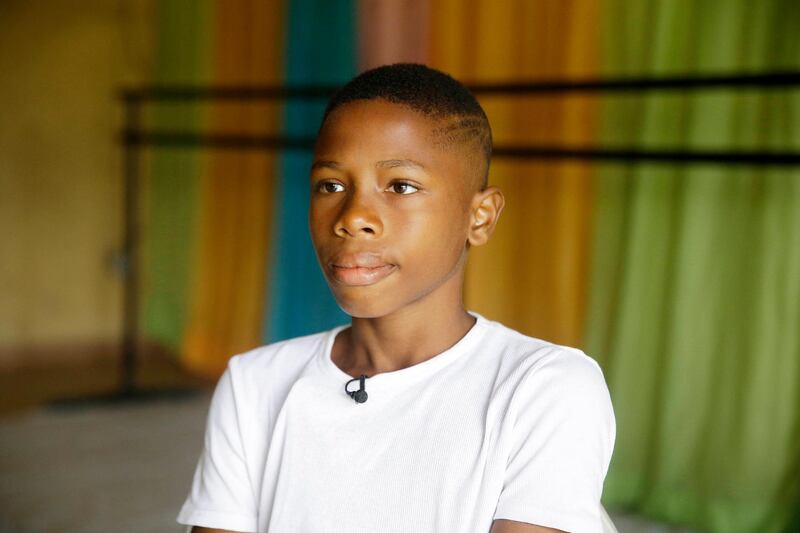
420 416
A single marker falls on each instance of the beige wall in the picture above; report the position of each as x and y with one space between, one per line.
61 62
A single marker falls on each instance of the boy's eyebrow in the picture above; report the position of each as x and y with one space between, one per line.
394 163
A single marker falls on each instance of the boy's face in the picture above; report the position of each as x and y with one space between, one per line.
390 208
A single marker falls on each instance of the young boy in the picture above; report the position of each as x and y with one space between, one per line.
420 416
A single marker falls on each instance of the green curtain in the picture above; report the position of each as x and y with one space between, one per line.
170 199
695 292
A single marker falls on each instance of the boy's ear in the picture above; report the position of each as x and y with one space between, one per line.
484 212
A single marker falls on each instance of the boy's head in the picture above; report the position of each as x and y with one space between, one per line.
399 190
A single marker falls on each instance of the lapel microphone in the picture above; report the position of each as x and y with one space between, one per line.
360 395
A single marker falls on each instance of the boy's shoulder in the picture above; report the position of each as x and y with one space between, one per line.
530 355
283 355
528 347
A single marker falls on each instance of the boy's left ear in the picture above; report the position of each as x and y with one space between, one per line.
484 212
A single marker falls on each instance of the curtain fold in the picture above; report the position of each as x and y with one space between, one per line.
695 301
236 193
392 32
320 48
532 274
170 190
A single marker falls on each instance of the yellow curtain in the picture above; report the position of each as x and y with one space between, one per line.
227 289
532 275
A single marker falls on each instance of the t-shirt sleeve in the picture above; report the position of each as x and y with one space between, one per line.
221 495
562 436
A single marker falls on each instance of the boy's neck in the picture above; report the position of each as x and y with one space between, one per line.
408 337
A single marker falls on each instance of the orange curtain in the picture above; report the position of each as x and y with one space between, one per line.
532 275
227 289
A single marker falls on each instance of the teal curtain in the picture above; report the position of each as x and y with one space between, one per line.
320 50
695 292
184 30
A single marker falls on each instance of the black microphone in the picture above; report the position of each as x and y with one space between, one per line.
360 395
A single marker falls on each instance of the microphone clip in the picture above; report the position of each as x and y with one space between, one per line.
360 395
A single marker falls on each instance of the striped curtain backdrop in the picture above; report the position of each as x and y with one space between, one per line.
683 281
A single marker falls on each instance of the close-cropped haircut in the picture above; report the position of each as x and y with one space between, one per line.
428 91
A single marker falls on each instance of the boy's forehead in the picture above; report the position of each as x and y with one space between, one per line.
378 130
382 125
378 114
389 134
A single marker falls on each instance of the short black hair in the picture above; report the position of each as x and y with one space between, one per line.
428 91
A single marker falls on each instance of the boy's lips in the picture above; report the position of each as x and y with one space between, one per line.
360 269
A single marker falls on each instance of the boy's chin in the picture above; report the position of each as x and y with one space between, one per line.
364 309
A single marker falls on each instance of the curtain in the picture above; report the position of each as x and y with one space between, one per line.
392 32
320 49
170 192
531 275
226 301
695 285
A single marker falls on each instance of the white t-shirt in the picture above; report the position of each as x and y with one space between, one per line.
500 425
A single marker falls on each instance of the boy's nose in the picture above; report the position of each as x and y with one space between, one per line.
358 219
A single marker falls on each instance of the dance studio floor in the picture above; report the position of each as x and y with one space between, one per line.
95 470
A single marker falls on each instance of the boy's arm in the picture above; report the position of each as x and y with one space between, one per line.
511 526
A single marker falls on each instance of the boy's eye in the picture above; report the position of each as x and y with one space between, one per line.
402 187
330 187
